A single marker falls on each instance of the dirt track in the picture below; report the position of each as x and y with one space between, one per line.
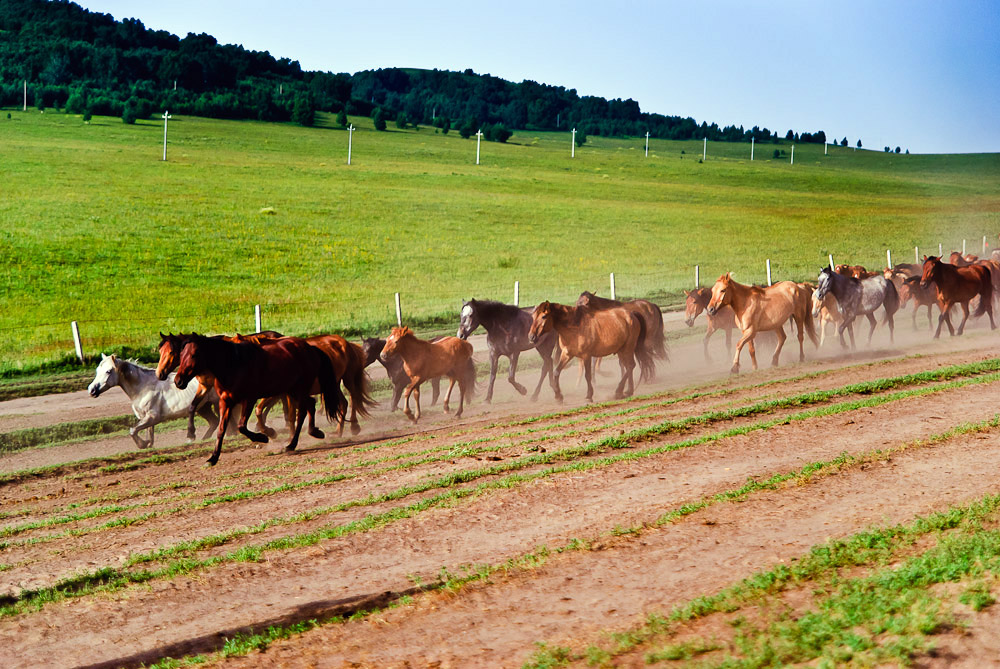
571 599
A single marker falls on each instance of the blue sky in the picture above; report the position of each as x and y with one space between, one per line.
918 74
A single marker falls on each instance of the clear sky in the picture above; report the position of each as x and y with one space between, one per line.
920 74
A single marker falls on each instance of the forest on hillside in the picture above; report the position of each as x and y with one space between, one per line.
87 63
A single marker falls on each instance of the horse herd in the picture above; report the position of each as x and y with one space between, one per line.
257 371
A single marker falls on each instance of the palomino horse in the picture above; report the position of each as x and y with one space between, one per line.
587 334
348 362
696 301
761 309
922 296
422 360
372 347
652 317
153 401
958 285
507 329
246 372
858 297
170 356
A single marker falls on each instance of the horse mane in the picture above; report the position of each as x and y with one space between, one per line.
492 309
402 331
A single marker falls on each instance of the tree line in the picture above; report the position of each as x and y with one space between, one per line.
88 63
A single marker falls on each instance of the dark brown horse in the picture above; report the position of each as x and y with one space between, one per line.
587 334
958 285
349 364
170 356
759 309
696 301
422 360
246 372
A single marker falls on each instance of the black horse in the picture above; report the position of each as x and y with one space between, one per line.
394 368
507 329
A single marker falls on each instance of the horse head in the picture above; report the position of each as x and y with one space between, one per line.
721 294
930 270
585 299
191 363
541 321
170 351
694 304
469 320
392 341
372 347
105 377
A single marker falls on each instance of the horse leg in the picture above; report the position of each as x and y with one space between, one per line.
447 395
223 422
306 405
546 369
261 414
965 316
801 329
435 391
589 372
744 338
872 321
704 342
196 403
147 421
314 431
397 392
752 348
512 371
780 332
944 318
248 407
206 412
461 395
494 363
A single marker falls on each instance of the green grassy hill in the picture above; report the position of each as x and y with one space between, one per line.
95 227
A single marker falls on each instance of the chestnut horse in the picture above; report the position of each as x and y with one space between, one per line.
170 356
958 284
696 301
372 346
422 360
958 260
587 334
245 372
922 296
656 339
856 271
760 309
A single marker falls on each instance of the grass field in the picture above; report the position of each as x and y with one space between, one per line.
96 228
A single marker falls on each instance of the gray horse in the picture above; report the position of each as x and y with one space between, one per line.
507 329
857 297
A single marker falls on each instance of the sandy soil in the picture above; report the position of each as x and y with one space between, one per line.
86 517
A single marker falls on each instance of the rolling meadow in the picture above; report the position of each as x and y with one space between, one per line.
95 227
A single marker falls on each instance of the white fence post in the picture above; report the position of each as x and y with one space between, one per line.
769 271
399 312
256 317
704 151
831 262
963 247
517 293
940 252
984 244
888 257
793 155
916 255
613 286
697 277
76 340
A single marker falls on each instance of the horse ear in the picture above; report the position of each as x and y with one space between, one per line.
103 356
687 293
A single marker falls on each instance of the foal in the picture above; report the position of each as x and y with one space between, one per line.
422 360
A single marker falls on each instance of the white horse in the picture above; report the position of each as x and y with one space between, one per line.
153 401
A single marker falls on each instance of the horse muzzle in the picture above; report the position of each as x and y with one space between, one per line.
162 376
689 322
711 311
95 391
182 381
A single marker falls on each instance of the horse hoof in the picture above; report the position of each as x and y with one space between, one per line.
190 435
211 462
355 428
290 448
735 369
521 389
269 431
317 433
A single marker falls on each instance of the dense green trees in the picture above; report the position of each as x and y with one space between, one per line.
84 60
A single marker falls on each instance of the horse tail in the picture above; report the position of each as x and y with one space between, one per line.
659 336
891 301
809 323
356 380
647 366
985 292
469 378
334 402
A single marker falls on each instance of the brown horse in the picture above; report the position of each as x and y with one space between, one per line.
857 271
696 301
587 334
170 356
246 372
958 285
349 364
922 296
829 312
759 309
422 360
958 260
652 317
